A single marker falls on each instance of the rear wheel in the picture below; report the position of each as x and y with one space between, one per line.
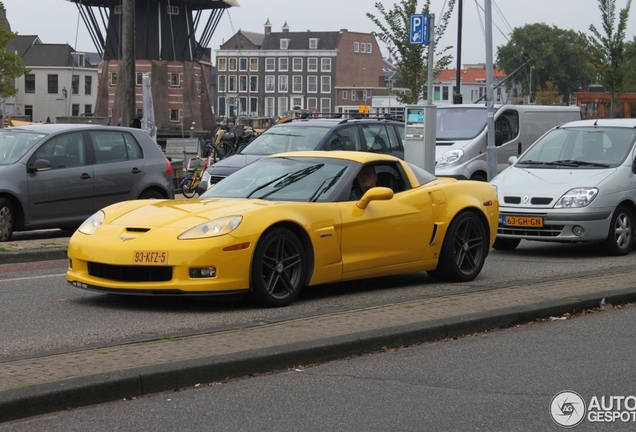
464 250
187 189
620 237
6 219
226 149
506 244
151 194
278 268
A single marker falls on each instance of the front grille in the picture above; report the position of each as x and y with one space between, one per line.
215 179
533 201
130 273
546 231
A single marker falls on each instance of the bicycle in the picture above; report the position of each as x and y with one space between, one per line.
195 169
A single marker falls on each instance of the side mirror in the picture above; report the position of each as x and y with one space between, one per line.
512 160
373 194
39 165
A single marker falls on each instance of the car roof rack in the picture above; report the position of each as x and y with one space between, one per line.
345 116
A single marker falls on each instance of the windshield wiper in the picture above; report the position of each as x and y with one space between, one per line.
576 163
322 190
531 162
286 180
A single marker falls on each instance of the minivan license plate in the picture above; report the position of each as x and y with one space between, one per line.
151 257
523 221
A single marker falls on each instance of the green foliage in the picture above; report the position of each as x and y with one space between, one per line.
11 66
630 56
549 95
608 49
411 59
557 55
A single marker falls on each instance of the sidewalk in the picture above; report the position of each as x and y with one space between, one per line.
32 386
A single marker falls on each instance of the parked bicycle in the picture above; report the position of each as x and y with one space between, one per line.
230 141
195 169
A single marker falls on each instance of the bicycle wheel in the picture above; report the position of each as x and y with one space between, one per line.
188 189
226 149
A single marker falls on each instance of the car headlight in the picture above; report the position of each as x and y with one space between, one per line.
576 198
213 228
206 176
91 224
450 158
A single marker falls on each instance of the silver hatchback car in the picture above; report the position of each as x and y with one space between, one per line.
57 175
577 183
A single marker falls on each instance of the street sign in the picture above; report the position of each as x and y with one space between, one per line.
418 29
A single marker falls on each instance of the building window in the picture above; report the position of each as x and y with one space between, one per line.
313 43
174 80
117 10
222 83
75 85
174 115
253 106
243 83
222 64
113 78
283 64
232 84
297 84
139 80
254 64
173 10
325 64
325 84
297 64
243 64
74 110
344 95
79 59
270 64
356 47
312 104
445 93
284 44
283 81
269 84
325 105
312 84
140 113
221 106
52 84
368 48
354 95
297 103
88 109
363 47
29 83
88 85
312 64
253 83
242 108
282 106
269 107
232 64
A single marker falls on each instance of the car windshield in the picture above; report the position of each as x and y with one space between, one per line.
286 138
15 143
580 147
458 123
284 179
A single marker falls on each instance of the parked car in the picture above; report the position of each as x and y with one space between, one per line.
575 184
287 221
356 134
57 175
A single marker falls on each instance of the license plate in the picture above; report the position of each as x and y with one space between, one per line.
151 257
523 221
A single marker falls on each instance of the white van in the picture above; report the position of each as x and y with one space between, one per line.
462 135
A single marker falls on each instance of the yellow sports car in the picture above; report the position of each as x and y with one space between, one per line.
288 221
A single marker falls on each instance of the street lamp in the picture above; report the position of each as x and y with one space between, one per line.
64 93
530 90
364 93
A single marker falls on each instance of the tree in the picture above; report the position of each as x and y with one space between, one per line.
608 50
11 66
557 55
411 59
630 56
549 95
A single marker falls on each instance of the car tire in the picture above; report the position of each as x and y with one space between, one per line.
6 220
187 189
478 177
464 249
506 244
151 194
620 238
278 268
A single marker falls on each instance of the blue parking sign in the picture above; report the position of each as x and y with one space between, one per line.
418 29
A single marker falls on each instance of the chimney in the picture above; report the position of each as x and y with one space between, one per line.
268 27
285 28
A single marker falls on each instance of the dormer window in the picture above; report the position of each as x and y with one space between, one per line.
79 59
284 44
313 43
173 10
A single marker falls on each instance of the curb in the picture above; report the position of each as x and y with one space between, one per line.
106 387
31 255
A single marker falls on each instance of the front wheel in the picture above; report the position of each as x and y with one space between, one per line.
278 268
6 219
187 188
464 250
620 237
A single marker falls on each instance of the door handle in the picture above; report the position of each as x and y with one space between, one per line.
135 170
86 176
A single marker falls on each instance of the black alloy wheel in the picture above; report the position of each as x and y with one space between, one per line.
278 268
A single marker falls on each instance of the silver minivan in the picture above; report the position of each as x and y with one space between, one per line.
576 184
57 175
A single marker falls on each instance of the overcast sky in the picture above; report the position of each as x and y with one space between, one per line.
58 21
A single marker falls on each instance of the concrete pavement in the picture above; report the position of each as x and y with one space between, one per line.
33 386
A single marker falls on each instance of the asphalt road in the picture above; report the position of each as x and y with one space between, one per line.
42 314
496 381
